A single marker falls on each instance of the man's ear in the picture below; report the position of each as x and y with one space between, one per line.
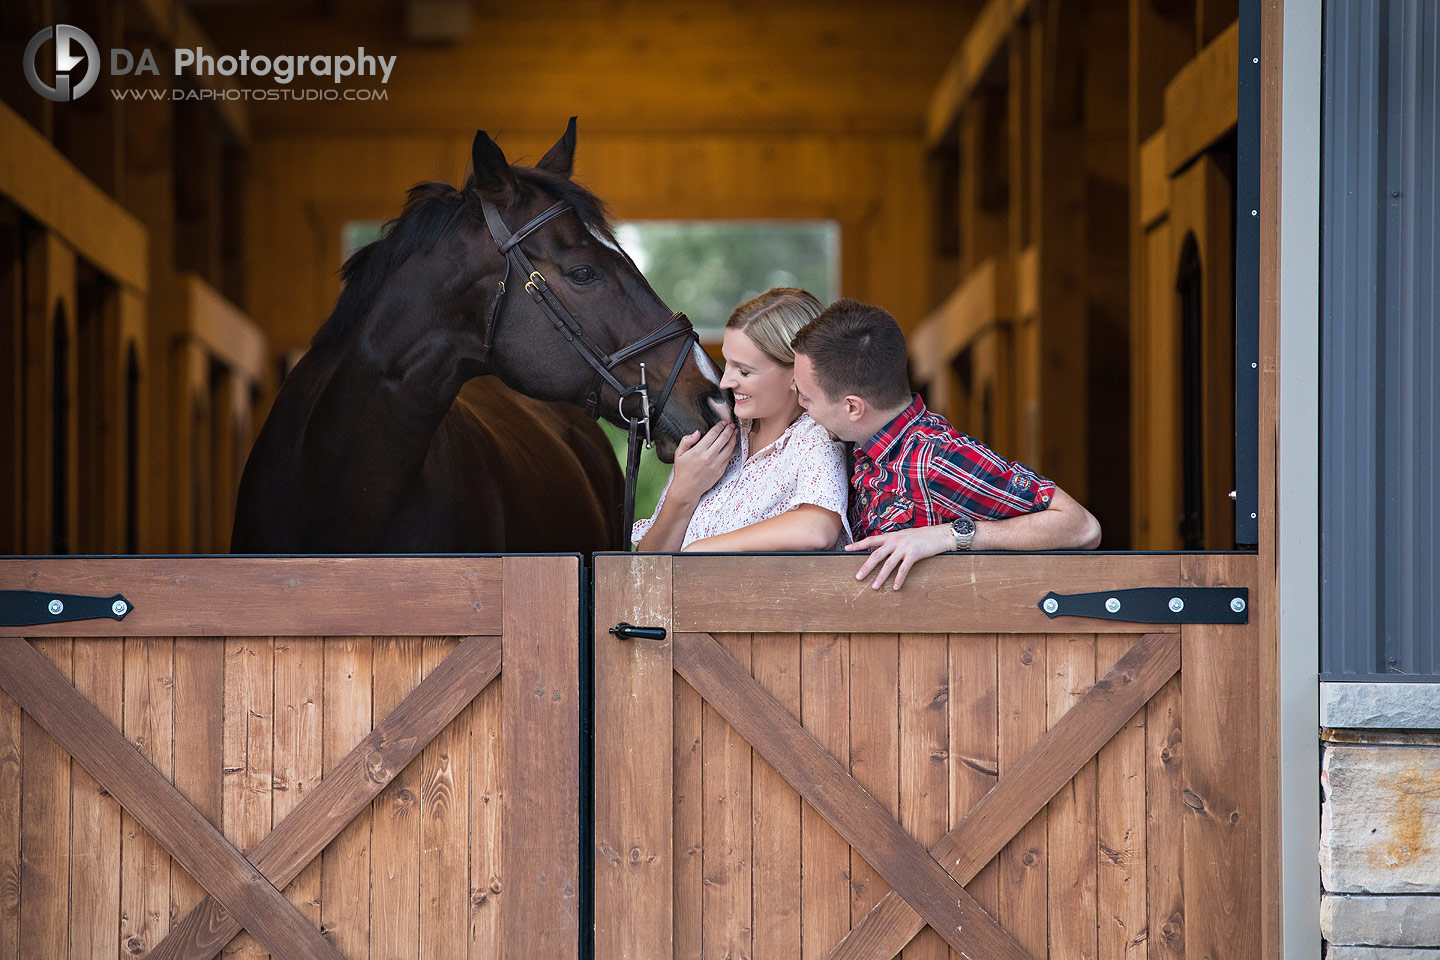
856 408
491 171
560 159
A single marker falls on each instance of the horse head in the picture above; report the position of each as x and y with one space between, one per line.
609 310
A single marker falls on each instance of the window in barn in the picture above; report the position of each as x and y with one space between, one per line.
705 268
358 233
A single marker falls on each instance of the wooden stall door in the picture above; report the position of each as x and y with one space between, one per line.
293 757
806 768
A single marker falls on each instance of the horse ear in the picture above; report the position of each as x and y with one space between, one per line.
561 158
491 171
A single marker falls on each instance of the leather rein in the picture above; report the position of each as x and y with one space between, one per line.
602 363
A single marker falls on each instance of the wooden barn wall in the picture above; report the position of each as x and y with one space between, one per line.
305 188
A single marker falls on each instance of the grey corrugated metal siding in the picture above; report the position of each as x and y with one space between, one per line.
1380 407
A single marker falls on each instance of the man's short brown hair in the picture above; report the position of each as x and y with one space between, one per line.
857 348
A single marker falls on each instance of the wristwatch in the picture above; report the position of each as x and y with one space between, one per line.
964 530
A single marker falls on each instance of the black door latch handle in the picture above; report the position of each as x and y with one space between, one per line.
626 632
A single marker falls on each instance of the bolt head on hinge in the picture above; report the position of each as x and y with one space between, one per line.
119 608
1238 604
1113 604
1176 604
1051 605
56 607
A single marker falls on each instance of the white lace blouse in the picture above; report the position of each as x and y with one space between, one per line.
802 466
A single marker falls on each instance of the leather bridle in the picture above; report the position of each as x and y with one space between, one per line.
602 363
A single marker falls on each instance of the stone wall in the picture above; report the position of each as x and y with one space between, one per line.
1380 825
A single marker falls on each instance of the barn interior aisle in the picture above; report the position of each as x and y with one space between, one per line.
1041 192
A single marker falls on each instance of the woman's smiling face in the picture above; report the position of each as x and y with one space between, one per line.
762 387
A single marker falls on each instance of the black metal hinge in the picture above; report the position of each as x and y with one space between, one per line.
1154 605
29 608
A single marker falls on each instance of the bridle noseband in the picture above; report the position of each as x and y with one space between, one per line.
602 363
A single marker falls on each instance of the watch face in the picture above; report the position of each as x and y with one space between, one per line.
963 525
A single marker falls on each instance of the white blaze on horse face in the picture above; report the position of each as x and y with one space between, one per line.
609 242
706 365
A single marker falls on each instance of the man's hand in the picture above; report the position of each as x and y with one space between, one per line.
901 550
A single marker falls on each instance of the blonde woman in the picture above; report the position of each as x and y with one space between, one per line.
775 482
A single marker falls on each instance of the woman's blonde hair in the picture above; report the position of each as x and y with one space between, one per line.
772 319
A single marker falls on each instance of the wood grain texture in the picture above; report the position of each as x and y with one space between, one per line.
688 838
1070 816
345 861
11 774
1028 786
1024 862
395 817
776 865
951 593
634 794
874 748
329 596
1164 825
45 805
249 755
95 816
44 693
924 785
199 678
1222 789
825 870
347 790
974 743
726 924
541 858
1121 868
872 832
444 828
299 726
487 795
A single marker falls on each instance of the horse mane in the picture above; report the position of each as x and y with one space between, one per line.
432 210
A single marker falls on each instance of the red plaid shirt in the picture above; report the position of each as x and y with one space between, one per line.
919 471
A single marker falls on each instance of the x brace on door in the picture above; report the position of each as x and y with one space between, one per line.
245 893
926 883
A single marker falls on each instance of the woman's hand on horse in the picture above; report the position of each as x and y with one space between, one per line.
700 460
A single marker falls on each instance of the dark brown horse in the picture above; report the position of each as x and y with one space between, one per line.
383 440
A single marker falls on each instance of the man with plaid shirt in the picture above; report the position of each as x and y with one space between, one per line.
918 486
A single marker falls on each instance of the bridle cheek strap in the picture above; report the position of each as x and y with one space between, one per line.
603 364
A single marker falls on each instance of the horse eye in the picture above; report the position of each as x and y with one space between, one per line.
581 274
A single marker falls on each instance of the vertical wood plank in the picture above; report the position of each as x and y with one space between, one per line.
1070 816
149 725
689 821
540 857
299 741
634 787
1222 783
1022 687
1164 825
10 775
95 824
727 923
345 862
199 676
874 747
249 753
825 856
974 744
924 757
775 663
44 829
395 831
444 805
1120 828
486 802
